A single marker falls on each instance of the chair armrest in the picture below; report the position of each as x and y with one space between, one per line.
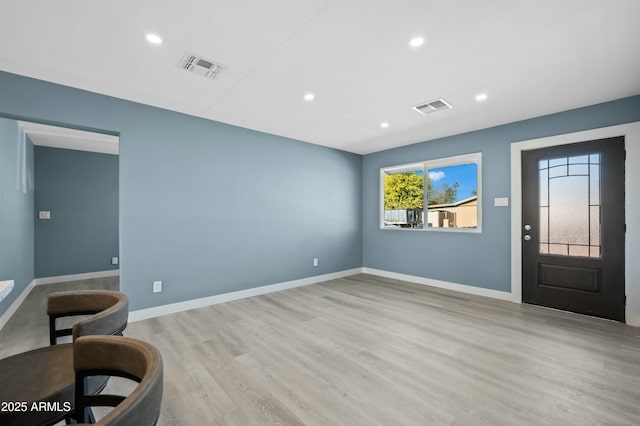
121 357
98 303
69 303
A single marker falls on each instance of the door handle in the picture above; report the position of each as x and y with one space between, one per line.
527 237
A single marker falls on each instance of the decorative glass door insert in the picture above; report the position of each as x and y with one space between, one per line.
570 205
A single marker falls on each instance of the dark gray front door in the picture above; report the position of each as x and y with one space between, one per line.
574 227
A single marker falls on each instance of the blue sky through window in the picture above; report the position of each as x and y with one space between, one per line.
464 174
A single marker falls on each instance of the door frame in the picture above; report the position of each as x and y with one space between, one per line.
631 132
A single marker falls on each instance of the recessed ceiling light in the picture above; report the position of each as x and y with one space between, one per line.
153 38
416 42
384 124
481 97
309 97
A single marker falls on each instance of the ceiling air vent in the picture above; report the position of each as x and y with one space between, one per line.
201 66
432 106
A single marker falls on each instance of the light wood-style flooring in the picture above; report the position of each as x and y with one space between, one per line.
366 350
28 327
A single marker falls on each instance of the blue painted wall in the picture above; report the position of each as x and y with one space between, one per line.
483 259
210 208
16 210
206 207
80 189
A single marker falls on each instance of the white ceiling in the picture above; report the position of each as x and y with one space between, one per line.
532 57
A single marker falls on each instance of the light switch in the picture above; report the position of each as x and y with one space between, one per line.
44 214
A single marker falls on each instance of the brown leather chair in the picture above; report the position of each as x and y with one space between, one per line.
46 374
109 310
123 357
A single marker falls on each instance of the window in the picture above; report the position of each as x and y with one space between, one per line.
442 194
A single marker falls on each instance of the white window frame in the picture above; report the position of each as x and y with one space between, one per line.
425 166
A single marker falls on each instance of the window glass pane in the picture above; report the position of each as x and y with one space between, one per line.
544 186
594 184
452 196
594 225
578 250
578 169
404 199
557 162
582 159
558 171
558 249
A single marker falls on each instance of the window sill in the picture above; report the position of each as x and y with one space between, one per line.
5 288
454 230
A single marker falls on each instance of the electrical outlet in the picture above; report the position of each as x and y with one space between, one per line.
315 261
114 260
157 286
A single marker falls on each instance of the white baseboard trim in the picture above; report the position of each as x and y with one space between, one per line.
478 291
77 277
143 314
16 304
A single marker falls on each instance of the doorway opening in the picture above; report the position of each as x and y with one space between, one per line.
75 197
